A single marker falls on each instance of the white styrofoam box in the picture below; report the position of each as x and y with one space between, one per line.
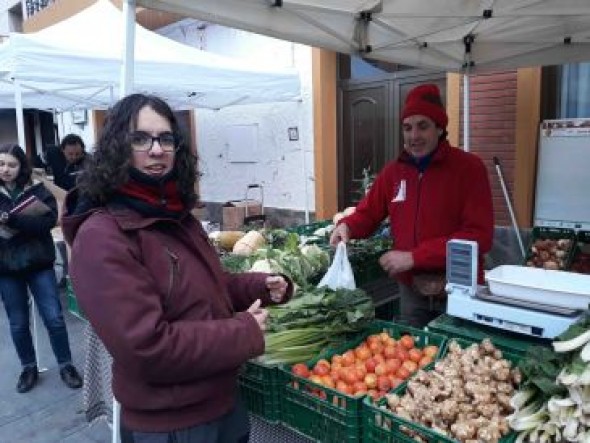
555 288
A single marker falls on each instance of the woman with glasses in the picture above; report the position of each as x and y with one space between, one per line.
27 256
177 326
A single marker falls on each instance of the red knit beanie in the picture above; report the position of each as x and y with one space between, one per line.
425 100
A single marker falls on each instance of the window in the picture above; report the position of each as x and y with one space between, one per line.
574 91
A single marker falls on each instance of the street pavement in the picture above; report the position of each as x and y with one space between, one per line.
51 412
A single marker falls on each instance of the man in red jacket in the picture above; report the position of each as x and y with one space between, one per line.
432 193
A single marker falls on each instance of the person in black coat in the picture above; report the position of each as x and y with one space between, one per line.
27 256
66 161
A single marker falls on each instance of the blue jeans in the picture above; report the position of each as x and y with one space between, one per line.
43 286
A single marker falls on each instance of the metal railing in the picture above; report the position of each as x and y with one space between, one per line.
34 6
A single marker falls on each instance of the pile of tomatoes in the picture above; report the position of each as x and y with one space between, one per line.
374 367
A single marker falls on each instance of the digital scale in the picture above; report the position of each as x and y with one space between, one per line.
470 301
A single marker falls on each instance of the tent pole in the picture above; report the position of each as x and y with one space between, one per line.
466 111
127 74
20 121
306 184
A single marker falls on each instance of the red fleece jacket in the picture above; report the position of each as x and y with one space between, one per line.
450 199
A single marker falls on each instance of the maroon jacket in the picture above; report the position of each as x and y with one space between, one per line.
451 199
156 295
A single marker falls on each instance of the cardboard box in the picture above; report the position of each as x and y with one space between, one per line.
234 212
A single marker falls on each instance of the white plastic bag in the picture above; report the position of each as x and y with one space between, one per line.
339 274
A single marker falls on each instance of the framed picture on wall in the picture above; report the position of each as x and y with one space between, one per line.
79 116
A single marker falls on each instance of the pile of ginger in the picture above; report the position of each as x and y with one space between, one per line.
466 397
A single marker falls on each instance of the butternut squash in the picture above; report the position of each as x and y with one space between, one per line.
249 243
227 239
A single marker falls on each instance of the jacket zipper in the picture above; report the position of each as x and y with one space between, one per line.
417 209
173 271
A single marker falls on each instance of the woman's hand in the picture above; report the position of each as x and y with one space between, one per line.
259 314
277 287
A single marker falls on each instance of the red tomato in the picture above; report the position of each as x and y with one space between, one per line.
383 383
407 341
370 365
300 370
410 365
393 365
321 369
389 351
415 354
431 351
425 361
402 373
362 352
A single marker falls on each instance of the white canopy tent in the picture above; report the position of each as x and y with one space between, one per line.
465 36
449 35
78 63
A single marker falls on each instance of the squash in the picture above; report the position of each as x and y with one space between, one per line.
249 243
227 239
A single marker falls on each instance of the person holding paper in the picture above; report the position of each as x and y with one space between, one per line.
152 286
432 193
28 212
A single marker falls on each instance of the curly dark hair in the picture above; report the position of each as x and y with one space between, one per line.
108 168
24 174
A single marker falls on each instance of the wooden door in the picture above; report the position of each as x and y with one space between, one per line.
370 127
364 137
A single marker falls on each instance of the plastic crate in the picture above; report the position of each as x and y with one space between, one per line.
72 301
310 228
548 233
454 327
383 426
581 255
337 418
260 388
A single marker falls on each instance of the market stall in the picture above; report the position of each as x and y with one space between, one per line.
333 376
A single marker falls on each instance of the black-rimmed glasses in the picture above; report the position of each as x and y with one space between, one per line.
142 141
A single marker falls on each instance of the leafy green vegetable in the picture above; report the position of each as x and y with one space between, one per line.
540 368
236 263
576 329
319 318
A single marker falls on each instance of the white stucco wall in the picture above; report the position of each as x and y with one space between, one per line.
9 22
66 126
277 164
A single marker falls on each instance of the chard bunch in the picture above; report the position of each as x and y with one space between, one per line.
543 414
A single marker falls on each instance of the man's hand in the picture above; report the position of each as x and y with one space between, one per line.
340 233
394 262
277 287
259 314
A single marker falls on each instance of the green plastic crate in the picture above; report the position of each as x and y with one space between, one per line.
310 228
72 301
454 327
548 233
260 388
383 426
338 417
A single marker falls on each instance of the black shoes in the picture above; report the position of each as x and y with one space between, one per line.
30 375
27 380
70 377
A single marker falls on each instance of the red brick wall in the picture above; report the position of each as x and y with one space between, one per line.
493 131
